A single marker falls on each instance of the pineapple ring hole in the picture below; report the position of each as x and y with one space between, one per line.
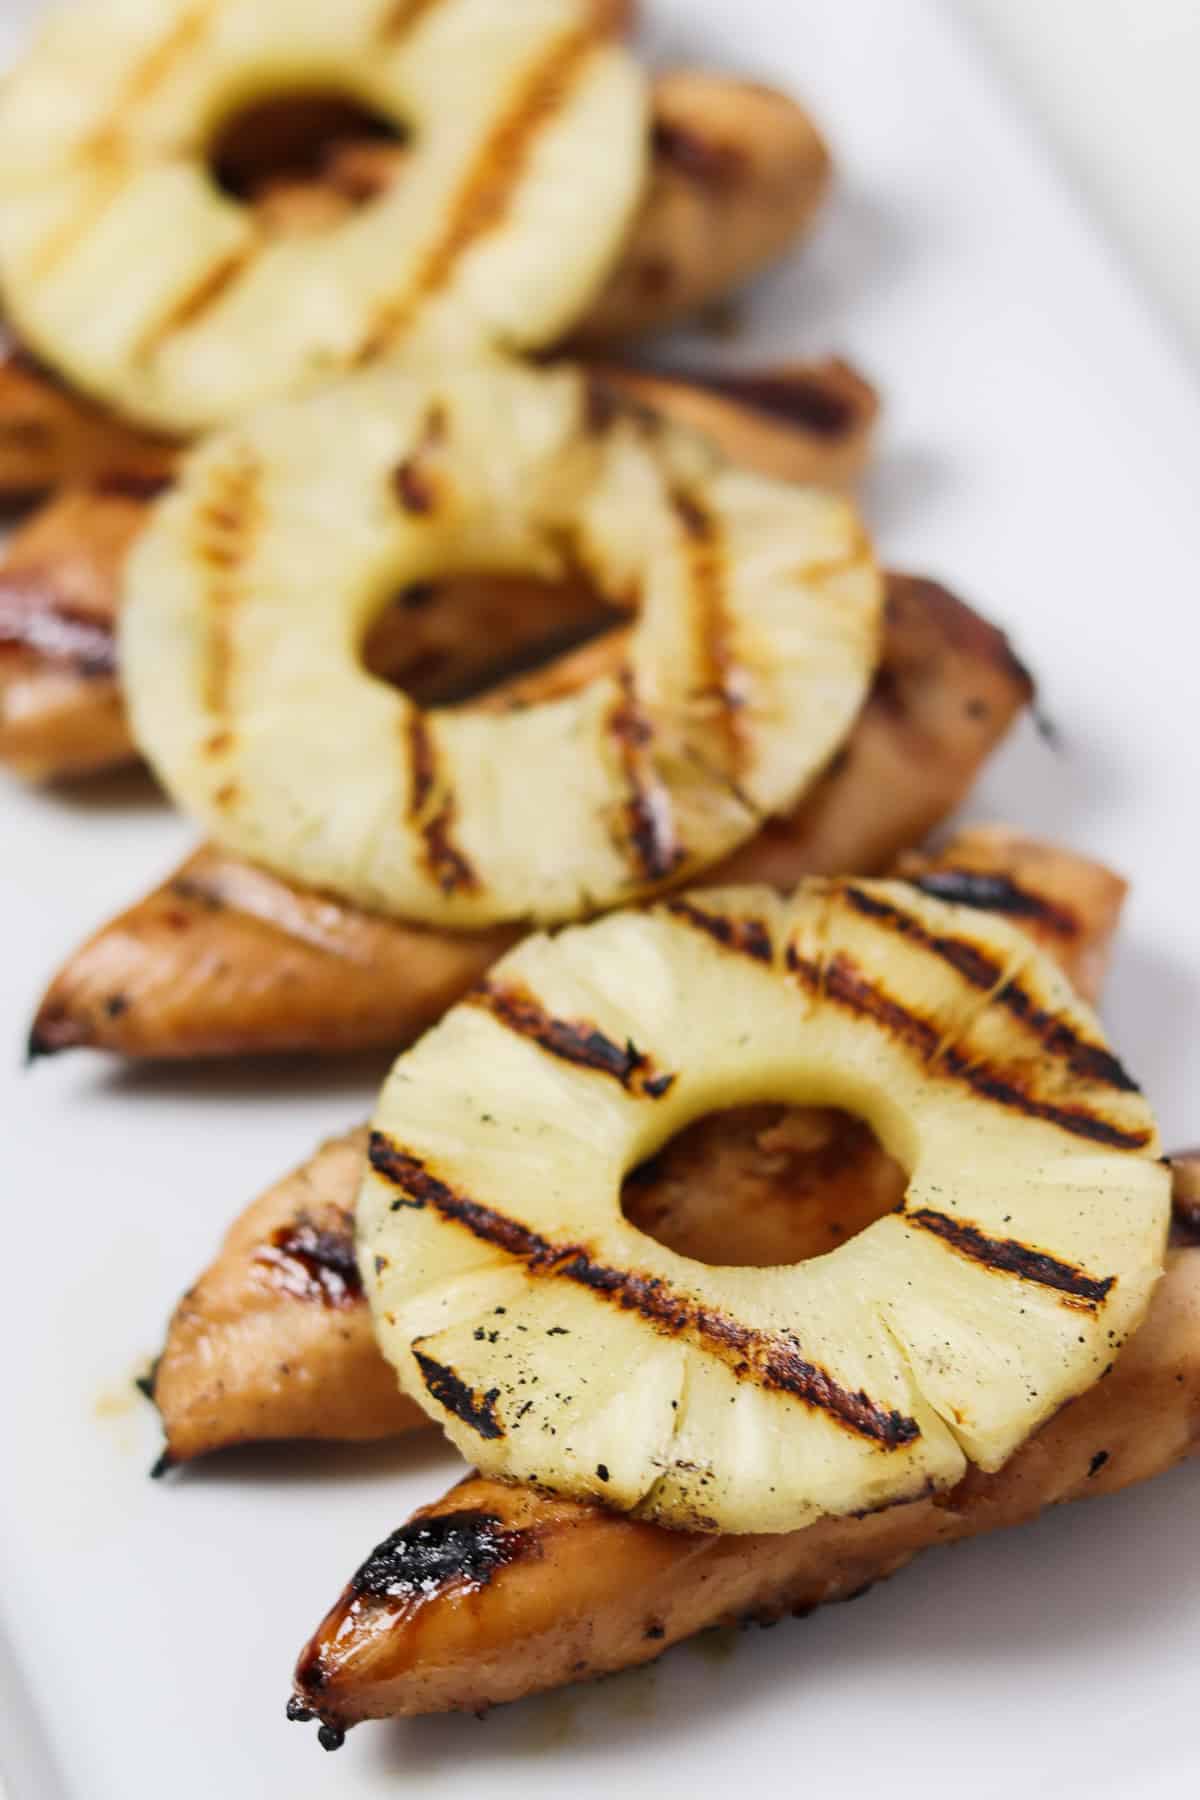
306 158
455 641
764 1186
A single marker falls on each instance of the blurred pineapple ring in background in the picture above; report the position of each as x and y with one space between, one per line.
251 591
558 1345
125 266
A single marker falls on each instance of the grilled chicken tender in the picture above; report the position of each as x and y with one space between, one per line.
224 959
274 1340
496 1591
61 714
737 173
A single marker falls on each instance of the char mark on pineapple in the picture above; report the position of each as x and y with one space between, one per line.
996 894
1009 1257
432 810
745 936
575 1041
459 1397
843 983
770 1360
649 837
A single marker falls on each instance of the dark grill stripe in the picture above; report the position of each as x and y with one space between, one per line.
1010 1257
745 936
724 678
843 983
458 1397
403 18
996 894
483 199
1087 1061
104 148
773 1362
649 835
226 523
207 292
572 1040
432 810
967 959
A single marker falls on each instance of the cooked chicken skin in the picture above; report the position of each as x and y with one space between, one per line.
225 959
60 709
274 1339
737 173
497 1591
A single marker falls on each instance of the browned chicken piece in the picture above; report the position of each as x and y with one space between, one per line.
1186 1165
736 174
52 438
61 712
497 1591
60 709
225 959
275 1341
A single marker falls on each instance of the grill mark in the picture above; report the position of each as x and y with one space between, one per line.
1086 1060
446 862
574 1041
309 1262
429 1555
226 521
403 18
107 178
1010 1257
203 298
813 400
996 894
482 200
649 835
413 483
451 1391
703 160
33 618
104 145
773 1362
746 936
842 982
725 679
967 959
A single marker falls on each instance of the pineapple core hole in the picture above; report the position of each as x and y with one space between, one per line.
307 159
764 1186
455 641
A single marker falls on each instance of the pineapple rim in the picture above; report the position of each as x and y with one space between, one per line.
250 594
504 221
558 1345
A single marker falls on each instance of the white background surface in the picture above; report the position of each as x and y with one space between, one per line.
1114 84
1040 452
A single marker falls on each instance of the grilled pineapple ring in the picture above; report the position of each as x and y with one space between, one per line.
558 1345
251 592
125 266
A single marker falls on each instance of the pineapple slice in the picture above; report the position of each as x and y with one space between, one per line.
559 1346
125 266
252 590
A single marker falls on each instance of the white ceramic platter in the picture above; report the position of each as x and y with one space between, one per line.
1041 453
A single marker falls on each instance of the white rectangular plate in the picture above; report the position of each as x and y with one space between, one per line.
1041 452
